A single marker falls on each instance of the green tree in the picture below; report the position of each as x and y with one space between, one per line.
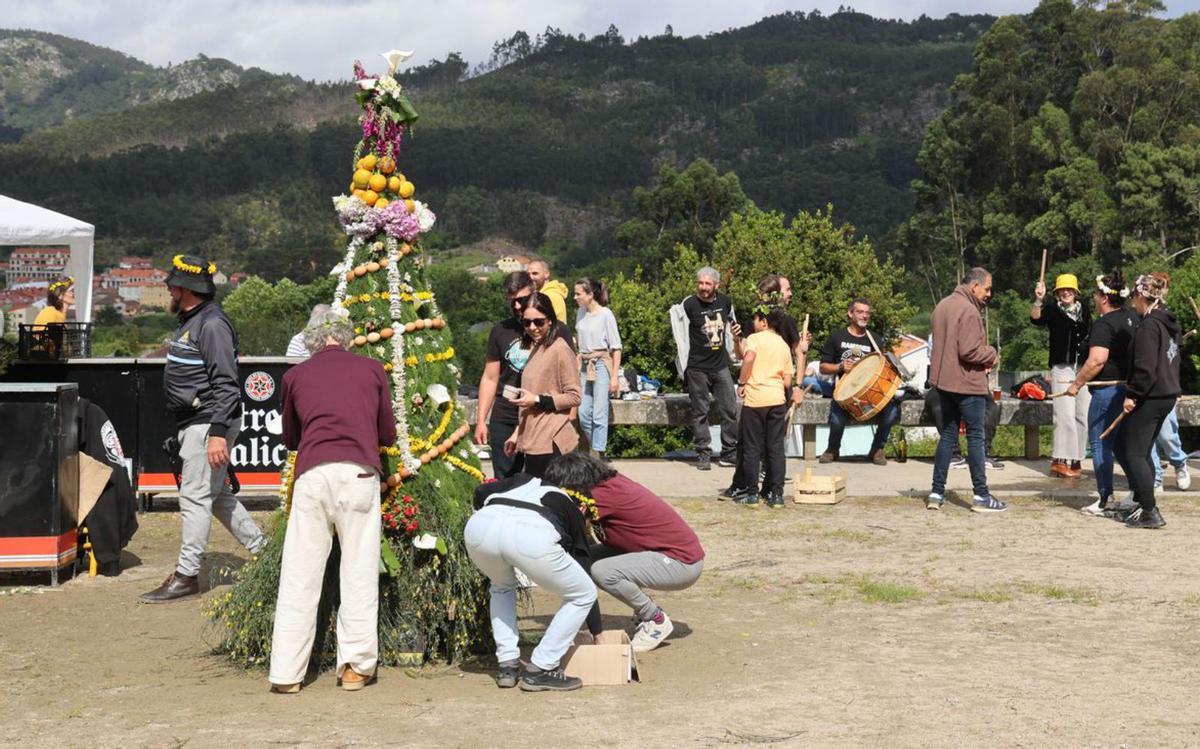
681 207
266 315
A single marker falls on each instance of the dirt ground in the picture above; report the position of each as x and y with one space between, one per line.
871 623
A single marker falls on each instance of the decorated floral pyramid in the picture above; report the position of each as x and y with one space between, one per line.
432 600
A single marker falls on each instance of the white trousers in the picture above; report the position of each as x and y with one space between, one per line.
499 539
1070 415
329 498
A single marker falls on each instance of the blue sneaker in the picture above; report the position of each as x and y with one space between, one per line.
988 503
934 501
746 499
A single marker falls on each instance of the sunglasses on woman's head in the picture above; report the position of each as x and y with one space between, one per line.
536 322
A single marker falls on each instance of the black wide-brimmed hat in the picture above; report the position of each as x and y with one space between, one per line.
193 273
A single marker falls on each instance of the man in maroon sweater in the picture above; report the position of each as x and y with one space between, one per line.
336 414
646 543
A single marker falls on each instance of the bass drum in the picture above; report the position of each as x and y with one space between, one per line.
865 390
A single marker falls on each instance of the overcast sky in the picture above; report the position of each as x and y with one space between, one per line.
319 39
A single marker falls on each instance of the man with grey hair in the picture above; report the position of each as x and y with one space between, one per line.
708 316
337 413
296 348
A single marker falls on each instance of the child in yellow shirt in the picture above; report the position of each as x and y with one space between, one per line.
765 380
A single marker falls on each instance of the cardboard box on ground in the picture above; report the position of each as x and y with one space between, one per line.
611 663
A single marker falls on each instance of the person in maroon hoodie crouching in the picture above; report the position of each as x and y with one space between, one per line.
337 412
646 544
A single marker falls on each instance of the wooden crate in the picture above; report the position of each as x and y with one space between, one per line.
819 490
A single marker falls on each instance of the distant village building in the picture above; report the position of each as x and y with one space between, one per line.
236 279
136 263
512 263
147 294
17 315
220 279
115 278
34 264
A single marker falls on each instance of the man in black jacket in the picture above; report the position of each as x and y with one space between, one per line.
201 385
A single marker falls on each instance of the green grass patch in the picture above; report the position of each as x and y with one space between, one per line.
986 595
1080 596
878 591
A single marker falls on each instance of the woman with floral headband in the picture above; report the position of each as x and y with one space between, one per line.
1151 392
1107 364
60 295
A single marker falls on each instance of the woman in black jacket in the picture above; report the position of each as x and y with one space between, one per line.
1150 392
1068 321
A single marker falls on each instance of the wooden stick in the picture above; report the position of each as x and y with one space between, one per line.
1195 309
871 338
1097 383
804 330
1042 276
1113 425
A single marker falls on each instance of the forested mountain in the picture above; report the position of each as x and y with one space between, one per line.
48 79
543 143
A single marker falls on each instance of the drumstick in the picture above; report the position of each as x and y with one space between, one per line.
1095 383
1195 309
1042 276
805 329
871 338
1113 425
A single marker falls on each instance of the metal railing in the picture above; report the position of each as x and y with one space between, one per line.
53 341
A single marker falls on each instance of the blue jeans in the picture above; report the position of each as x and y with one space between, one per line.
1167 443
499 538
593 408
1107 403
820 386
838 419
971 409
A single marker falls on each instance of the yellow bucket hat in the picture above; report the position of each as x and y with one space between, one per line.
1067 281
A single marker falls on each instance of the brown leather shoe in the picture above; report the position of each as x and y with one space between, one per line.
827 457
352 681
285 688
1062 470
176 586
878 459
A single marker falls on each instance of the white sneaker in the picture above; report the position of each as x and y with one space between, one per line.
1183 479
1095 509
651 634
934 501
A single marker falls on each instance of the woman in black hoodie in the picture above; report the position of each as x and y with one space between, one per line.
1150 392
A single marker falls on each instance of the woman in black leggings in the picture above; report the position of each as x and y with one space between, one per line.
1150 392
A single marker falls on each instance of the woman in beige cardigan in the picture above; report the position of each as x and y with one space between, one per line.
549 390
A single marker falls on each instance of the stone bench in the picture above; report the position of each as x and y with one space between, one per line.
671 409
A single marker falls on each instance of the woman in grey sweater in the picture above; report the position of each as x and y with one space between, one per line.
599 344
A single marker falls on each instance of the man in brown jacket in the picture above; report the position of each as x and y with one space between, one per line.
958 370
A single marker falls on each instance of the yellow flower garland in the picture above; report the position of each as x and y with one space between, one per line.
177 261
421 445
465 467
363 298
412 361
586 503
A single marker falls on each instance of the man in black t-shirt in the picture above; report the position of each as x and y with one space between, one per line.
709 317
842 351
496 419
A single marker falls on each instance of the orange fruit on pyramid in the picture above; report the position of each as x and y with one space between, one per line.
370 197
387 165
378 182
368 162
410 205
353 187
382 203
362 178
394 183
406 189
360 194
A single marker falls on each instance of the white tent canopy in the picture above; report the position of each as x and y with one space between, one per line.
28 224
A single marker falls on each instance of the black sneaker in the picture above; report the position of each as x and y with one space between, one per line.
729 492
548 681
774 500
1151 518
746 499
993 464
704 462
509 673
828 457
725 462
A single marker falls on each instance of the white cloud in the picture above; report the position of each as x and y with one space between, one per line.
319 39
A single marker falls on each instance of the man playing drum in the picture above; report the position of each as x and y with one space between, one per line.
842 351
